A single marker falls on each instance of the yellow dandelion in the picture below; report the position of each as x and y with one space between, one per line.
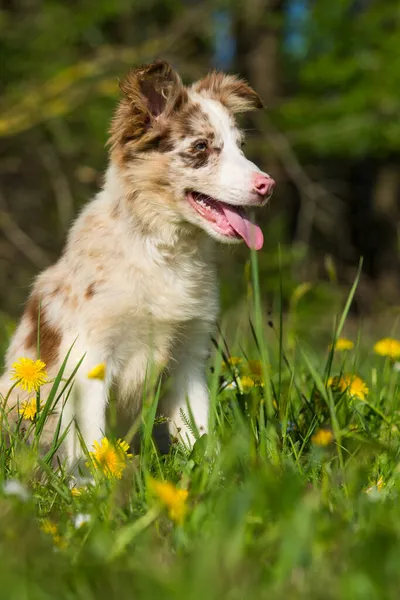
323 437
30 374
388 347
233 361
60 542
255 368
110 458
28 409
98 372
76 491
352 384
255 371
174 499
246 384
343 344
49 527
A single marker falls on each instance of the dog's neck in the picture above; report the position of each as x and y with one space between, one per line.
147 219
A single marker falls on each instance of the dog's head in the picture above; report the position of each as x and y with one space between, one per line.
182 148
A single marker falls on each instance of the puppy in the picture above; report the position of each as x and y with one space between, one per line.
136 284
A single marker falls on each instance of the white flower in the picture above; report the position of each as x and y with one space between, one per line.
81 519
13 487
229 385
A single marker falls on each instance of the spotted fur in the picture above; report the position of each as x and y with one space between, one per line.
135 286
48 342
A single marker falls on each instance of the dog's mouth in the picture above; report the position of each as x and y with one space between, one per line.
228 220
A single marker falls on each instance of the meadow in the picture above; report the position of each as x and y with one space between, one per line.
294 491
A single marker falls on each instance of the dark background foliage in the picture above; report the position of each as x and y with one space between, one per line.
329 73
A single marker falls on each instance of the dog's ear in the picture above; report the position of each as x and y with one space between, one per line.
234 93
153 88
151 93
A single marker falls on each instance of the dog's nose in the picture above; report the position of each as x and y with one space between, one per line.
263 184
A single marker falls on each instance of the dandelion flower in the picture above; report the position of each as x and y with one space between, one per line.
171 497
29 373
255 371
323 437
28 409
51 529
255 368
343 344
110 458
246 383
98 372
388 347
352 384
233 361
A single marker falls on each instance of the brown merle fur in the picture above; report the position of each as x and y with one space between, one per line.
234 93
156 112
49 336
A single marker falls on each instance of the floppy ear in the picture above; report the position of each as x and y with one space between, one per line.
232 92
150 94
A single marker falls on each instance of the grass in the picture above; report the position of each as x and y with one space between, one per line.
294 493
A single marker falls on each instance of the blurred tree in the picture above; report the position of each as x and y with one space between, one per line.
344 107
328 73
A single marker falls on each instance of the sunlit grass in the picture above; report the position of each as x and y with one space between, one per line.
294 492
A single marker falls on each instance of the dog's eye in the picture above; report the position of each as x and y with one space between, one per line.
242 143
201 145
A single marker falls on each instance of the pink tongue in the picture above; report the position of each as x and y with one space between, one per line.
251 233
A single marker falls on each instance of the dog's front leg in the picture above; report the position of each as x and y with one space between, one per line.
85 411
189 383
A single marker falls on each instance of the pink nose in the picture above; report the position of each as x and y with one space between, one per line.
263 184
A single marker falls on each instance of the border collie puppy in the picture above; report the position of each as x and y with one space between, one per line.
136 284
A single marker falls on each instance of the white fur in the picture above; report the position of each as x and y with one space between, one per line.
158 304
233 183
136 286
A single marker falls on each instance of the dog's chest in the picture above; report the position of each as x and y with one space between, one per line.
162 290
156 307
